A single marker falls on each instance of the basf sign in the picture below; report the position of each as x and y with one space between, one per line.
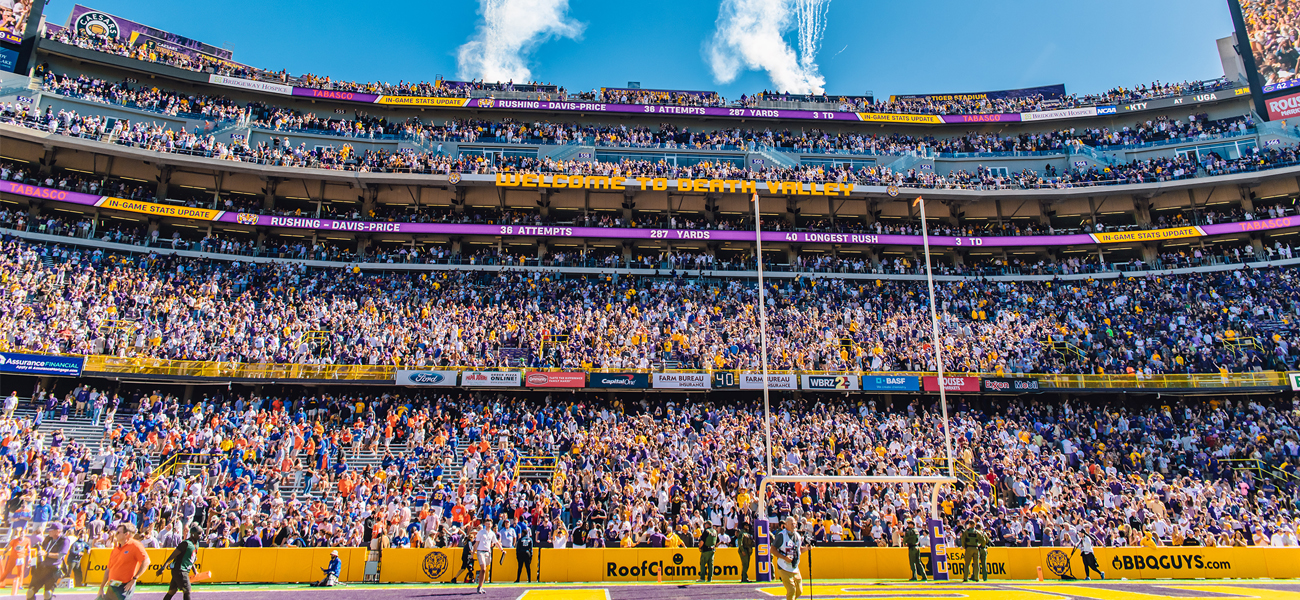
891 383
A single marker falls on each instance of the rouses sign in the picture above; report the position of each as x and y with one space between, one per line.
891 383
490 379
1008 385
775 381
40 364
561 380
619 380
952 384
830 382
681 381
1284 107
422 378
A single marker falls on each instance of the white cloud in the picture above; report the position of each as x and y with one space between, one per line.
750 34
510 29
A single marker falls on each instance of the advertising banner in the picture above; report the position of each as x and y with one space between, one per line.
555 380
97 23
1294 378
900 118
491 379
40 364
426 378
160 210
619 380
891 383
1050 92
1189 100
952 384
1066 113
8 60
990 118
775 381
1283 107
1148 235
1008 385
681 381
830 383
334 95
419 101
249 84
518 231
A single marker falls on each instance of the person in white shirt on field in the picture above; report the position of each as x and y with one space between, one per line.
484 541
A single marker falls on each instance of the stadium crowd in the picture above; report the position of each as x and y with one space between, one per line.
280 469
88 301
278 152
950 104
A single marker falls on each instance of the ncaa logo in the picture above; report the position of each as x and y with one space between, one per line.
246 219
1105 110
1059 563
97 24
434 565
453 178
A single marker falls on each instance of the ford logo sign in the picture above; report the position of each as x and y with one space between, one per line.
426 378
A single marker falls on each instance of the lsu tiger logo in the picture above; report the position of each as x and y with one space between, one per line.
246 219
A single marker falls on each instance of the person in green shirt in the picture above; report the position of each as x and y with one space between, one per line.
970 543
708 541
983 554
746 547
182 563
914 564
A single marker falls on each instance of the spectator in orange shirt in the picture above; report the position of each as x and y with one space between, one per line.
127 562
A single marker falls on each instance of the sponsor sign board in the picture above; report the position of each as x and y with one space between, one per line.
40 364
249 84
1283 107
1008 385
561 380
952 384
775 381
681 381
619 380
832 383
1065 113
891 383
491 379
423 378
1294 378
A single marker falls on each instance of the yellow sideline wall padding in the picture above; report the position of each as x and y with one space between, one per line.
419 565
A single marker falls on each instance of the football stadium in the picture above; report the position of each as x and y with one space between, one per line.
271 335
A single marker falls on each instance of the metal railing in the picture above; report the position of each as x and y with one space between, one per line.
1262 470
102 365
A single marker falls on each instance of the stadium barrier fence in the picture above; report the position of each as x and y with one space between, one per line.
422 565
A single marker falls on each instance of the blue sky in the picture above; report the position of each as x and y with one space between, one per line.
885 47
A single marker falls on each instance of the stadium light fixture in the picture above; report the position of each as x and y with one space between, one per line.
934 335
